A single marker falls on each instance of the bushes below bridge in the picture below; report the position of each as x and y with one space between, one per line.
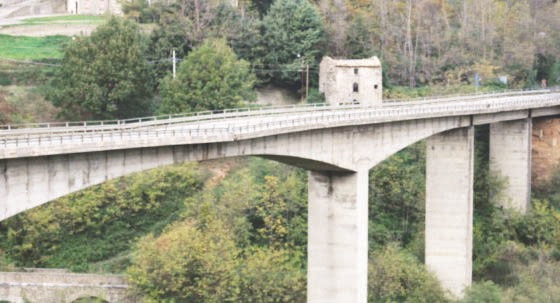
99 223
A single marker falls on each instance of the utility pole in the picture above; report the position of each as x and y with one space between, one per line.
301 74
174 63
306 81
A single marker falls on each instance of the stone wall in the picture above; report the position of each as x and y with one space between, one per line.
351 82
61 287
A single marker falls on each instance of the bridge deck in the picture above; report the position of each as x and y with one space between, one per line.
229 125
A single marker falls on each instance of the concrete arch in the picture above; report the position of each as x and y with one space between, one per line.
62 287
77 295
79 300
30 182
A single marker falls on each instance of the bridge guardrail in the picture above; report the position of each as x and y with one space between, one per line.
163 119
459 97
197 131
104 125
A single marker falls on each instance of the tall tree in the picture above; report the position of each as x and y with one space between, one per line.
104 75
515 46
210 77
335 14
293 36
185 24
261 6
169 35
357 43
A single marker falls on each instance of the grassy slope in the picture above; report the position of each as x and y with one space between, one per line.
23 75
67 19
32 48
37 48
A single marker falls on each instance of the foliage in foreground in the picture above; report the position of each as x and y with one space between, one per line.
98 223
235 243
395 275
485 291
5 263
255 223
188 263
194 262
396 200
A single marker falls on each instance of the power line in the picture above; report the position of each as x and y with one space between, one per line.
167 60
281 70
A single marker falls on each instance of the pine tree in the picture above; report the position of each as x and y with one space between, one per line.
293 37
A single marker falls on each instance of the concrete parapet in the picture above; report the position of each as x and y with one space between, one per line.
449 208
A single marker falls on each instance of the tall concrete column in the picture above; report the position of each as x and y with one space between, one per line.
337 237
510 157
449 208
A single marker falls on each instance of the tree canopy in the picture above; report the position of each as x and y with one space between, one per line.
104 75
292 37
209 78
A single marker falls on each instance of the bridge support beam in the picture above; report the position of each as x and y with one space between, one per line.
510 157
337 235
449 208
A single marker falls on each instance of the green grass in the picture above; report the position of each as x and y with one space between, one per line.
32 48
73 19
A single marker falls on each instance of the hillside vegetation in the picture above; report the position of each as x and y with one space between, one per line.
243 239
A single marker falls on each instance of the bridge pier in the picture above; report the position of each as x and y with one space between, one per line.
337 237
510 157
449 208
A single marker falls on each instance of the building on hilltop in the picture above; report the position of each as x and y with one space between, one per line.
355 81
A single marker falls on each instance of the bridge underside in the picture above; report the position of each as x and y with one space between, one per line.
29 182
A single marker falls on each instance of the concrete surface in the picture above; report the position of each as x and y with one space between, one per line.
337 237
60 287
338 145
449 208
510 159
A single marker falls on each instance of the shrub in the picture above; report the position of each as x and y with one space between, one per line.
395 275
483 292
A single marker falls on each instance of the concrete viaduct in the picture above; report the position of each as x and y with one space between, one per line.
337 144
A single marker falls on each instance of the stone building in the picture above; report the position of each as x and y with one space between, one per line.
356 81
93 7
